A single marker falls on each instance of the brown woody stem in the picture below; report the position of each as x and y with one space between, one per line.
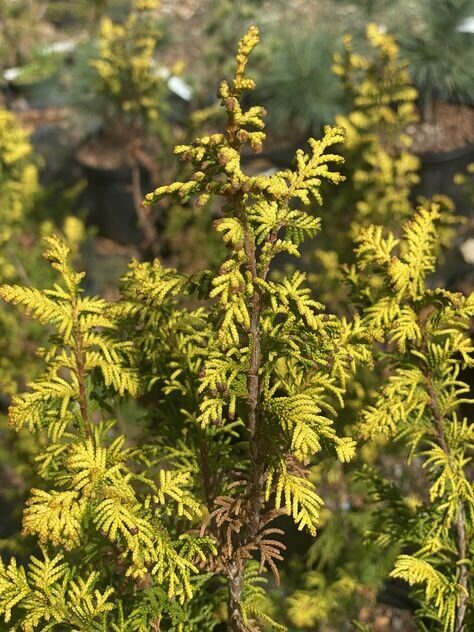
235 582
235 574
81 374
143 215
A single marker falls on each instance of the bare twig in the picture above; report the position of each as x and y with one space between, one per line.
144 220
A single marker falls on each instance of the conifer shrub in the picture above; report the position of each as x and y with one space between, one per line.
426 347
381 170
342 572
250 381
381 98
22 204
127 77
244 375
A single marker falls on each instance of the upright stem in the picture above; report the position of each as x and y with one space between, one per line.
81 374
235 581
256 469
253 389
145 222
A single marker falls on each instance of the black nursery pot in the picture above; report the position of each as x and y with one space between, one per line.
437 175
109 200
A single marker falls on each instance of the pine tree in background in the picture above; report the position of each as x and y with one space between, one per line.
441 73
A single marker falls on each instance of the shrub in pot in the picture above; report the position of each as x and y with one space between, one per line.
129 94
444 76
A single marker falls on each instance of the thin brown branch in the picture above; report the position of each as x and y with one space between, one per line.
206 475
256 469
81 374
144 159
144 220
235 581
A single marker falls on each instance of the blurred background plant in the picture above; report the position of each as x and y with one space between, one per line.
439 44
119 78
380 170
23 221
296 83
22 27
83 13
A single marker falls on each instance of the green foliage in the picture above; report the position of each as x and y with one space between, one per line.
381 173
273 367
446 71
297 85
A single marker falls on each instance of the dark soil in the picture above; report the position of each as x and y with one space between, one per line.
452 127
104 152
